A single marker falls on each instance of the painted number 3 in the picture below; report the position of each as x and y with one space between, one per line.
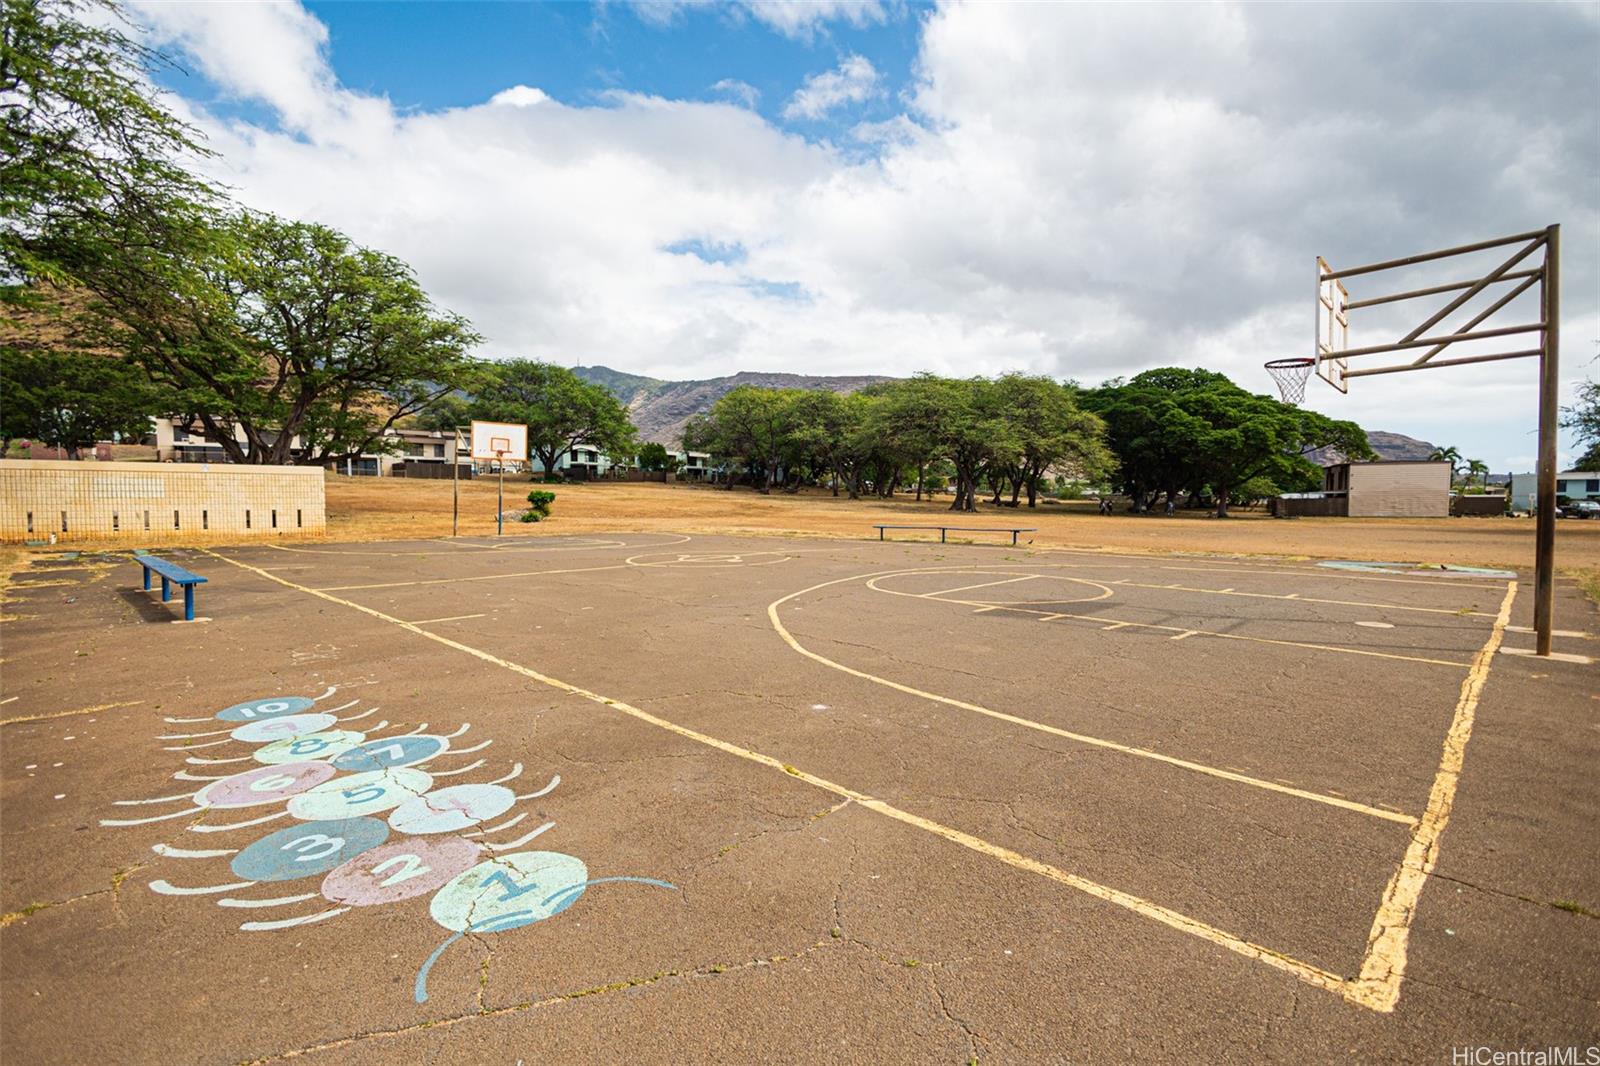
314 846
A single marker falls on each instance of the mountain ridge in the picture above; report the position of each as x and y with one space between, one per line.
661 408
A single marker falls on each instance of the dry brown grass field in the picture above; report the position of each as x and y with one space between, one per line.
373 509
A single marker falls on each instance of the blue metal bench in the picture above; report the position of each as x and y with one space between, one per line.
171 573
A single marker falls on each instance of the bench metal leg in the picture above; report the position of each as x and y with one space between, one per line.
147 579
941 534
880 534
166 589
188 603
1013 538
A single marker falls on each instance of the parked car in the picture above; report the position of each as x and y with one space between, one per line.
1581 509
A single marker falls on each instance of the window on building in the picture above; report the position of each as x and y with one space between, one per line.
1561 485
438 451
179 434
1592 485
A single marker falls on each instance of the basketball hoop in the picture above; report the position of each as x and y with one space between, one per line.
1291 376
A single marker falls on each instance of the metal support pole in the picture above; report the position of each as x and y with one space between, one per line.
1549 395
455 481
500 506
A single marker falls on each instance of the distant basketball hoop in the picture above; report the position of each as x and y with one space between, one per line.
1291 376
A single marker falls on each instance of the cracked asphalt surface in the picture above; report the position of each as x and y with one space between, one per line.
916 803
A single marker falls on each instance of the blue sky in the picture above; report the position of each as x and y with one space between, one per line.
431 56
869 186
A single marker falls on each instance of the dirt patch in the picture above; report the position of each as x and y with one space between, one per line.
369 508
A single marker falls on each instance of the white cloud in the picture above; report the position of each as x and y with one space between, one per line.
854 81
519 96
801 18
744 92
1081 191
797 19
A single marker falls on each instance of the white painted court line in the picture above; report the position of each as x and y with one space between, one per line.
451 618
1580 634
1558 656
980 585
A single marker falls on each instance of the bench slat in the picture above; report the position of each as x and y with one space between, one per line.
170 571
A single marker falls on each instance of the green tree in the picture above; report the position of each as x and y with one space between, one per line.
1583 418
560 409
1049 429
908 414
84 140
1477 470
1176 429
284 334
445 413
752 426
655 458
72 399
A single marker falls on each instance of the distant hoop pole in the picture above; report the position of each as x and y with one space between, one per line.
1291 375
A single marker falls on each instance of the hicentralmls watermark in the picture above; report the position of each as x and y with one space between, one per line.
1572 1055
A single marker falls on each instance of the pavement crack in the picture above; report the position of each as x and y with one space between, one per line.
953 1018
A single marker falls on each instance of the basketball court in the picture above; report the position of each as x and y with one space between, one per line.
537 797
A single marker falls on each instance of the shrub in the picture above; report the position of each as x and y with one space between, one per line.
539 501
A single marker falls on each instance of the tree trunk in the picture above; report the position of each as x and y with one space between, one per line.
922 470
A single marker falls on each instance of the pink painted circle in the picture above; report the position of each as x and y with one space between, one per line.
264 784
399 870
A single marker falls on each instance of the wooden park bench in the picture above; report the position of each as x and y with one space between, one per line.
1013 530
171 573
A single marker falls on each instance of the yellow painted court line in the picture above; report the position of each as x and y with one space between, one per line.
1384 966
1309 599
69 714
452 618
1303 971
1028 723
477 577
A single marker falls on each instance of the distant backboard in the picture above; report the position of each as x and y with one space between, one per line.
1333 327
500 440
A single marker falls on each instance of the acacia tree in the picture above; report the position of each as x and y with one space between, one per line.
749 425
1176 429
282 342
1049 428
560 409
71 399
84 142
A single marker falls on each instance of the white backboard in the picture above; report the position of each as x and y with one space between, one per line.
500 440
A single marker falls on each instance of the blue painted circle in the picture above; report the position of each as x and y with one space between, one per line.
270 707
389 753
309 849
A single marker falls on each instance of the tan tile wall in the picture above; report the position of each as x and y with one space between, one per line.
157 501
